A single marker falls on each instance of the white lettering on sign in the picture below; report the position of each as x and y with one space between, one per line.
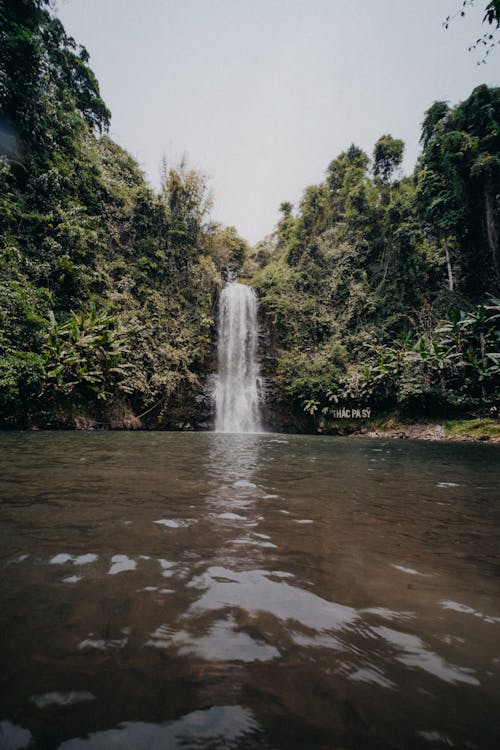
352 413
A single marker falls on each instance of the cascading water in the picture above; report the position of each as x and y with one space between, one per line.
237 406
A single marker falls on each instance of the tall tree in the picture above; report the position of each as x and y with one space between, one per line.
458 186
387 157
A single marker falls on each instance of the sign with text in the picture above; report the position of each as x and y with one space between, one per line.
352 413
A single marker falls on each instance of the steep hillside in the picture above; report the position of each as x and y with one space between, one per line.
107 289
382 292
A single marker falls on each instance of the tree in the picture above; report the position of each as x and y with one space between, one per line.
351 163
491 16
42 72
343 175
228 250
286 209
458 184
433 116
387 157
187 198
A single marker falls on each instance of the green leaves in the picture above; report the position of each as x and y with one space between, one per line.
387 157
86 353
22 375
79 223
458 176
453 364
462 352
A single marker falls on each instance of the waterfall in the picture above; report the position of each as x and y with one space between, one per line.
237 391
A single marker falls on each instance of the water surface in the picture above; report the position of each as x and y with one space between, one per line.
166 590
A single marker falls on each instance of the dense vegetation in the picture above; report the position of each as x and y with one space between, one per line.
106 288
376 291
382 291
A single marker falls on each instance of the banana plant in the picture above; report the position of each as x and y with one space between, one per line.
86 353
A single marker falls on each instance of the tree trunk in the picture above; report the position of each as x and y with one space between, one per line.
483 362
448 266
491 229
442 381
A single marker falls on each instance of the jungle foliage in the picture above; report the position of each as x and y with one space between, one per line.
107 288
383 290
377 288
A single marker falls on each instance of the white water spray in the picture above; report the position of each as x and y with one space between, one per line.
237 389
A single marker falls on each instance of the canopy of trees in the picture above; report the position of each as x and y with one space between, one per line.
385 292
106 288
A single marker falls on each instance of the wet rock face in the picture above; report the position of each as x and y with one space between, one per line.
204 416
277 416
195 414
269 391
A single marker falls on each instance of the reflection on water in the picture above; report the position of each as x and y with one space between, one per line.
61 699
218 726
255 591
248 591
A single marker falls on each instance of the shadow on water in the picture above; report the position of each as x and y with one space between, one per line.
248 591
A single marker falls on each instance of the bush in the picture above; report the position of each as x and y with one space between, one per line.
22 375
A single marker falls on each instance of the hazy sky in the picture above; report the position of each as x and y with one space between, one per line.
262 94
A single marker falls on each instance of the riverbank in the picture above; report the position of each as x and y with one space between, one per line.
389 426
463 430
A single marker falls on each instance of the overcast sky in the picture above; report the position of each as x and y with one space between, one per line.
262 94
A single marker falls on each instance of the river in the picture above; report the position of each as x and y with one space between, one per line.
172 590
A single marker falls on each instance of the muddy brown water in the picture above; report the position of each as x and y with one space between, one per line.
166 590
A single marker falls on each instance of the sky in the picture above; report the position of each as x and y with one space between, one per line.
261 95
